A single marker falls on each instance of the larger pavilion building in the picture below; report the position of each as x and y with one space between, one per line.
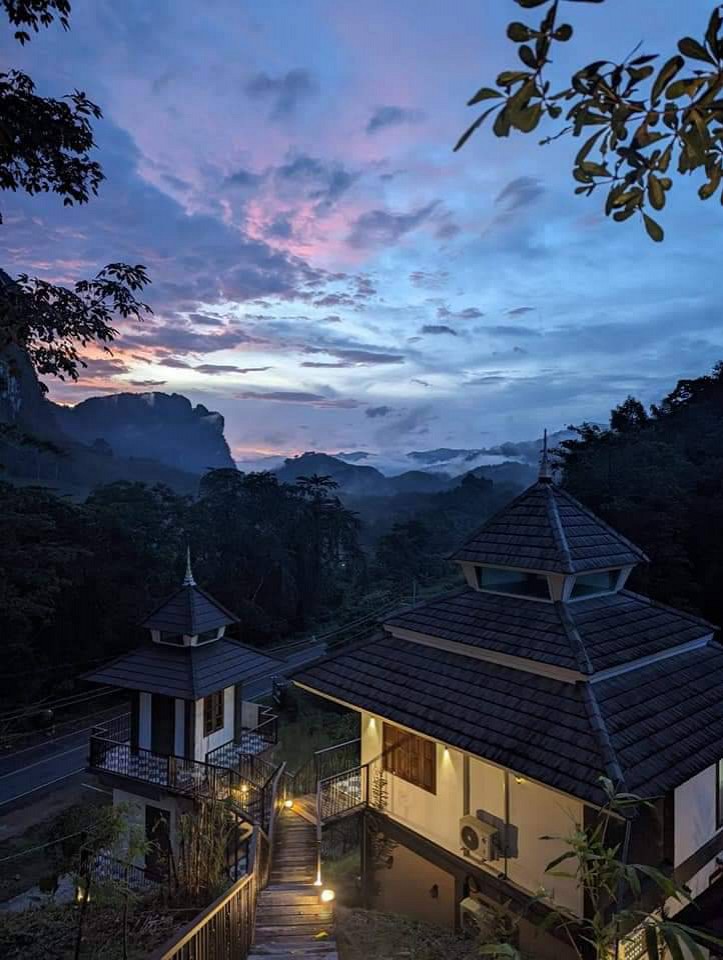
190 736
489 716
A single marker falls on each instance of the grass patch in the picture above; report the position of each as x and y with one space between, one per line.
370 935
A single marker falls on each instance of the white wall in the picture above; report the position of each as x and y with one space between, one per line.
179 743
144 721
204 744
695 822
533 809
135 816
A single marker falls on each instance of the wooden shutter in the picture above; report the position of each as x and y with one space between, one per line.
410 757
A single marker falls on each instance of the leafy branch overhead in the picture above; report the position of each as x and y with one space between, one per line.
641 122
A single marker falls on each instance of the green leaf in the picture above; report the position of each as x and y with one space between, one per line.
655 232
527 56
519 32
501 126
563 33
708 189
651 938
508 77
527 119
587 146
691 48
484 93
529 4
470 130
656 194
667 72
621 215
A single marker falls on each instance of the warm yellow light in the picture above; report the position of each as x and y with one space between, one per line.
520 780
288 804
327 896
317 882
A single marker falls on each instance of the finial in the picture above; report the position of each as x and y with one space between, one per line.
188 580
545 475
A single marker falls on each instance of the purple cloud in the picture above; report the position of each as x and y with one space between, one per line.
377 227
438 328
392 116
285 93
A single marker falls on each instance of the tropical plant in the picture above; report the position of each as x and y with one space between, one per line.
642 124
613 889
46 145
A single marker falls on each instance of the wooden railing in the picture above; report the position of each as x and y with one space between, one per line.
225 929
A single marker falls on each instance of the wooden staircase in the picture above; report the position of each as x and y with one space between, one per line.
291 922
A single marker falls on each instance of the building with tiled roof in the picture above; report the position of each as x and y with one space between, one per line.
493 712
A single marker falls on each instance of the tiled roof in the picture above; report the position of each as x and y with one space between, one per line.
586 635
533 725
190 610
664 722
186 672
547 529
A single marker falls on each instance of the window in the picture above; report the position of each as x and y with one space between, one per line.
175 638
719 793
522 584
207 635
588 584
213 713
410 757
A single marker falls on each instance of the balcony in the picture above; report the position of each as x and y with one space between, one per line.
244 783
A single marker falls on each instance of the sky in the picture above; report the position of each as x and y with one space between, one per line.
326 272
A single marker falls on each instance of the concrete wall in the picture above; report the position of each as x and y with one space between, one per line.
415 888
204 744
695 822
135 816
534 811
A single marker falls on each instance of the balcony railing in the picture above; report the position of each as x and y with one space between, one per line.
250 742
342 793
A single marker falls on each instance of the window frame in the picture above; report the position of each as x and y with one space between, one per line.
500 589
213 713
410 757
617 571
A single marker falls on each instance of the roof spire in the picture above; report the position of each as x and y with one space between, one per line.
545 475
188 580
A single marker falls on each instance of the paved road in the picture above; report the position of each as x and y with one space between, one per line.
28 770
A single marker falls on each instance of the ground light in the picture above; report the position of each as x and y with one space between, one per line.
288 804
327 896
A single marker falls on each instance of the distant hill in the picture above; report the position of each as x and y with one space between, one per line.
159 426
36 446
361 481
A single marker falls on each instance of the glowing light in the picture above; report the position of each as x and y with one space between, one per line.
520 780
327 896
288 804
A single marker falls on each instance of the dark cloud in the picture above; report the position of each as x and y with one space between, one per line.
182 340
469 313
320 365
299 396
384 227
363 357
284 92
488 380
374 412
102 367
280 227
519 311
422 383
220 368
392 116
520 192
206 320
335 300
148 383
243 178
447 229
438 328
429 280
331 318
173 362
414 421
504 330
321 182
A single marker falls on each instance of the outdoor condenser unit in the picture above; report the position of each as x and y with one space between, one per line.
479 840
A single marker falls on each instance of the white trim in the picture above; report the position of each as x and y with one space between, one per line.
652 658
490 656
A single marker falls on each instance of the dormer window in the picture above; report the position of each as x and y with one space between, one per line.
519 583
175 639
592 584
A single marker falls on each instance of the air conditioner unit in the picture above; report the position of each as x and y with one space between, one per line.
479 840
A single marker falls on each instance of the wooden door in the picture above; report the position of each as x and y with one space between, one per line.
163 724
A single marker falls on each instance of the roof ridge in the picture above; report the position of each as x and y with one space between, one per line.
603 523
686 614
191 606
557 528
597 722
582 658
